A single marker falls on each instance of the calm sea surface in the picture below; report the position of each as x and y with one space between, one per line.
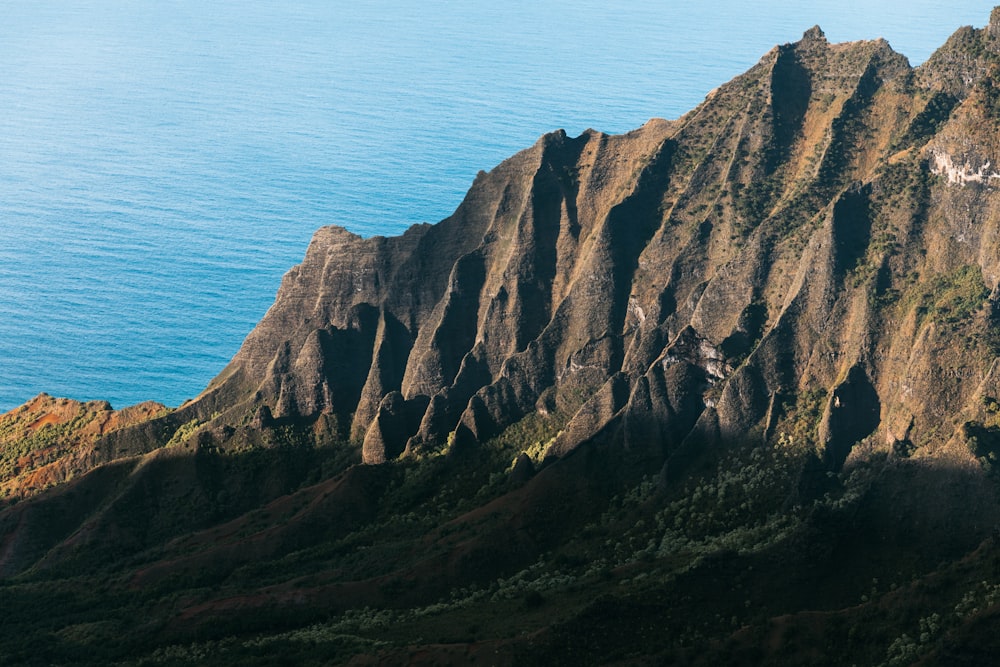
163 163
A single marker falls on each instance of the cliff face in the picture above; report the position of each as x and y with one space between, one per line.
760 340
825 222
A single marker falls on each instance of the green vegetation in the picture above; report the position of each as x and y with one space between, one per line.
949 299
45 436
928 121
182 434
21 446
423 561
753 202
799 426
983 437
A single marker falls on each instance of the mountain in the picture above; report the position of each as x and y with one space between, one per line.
720 389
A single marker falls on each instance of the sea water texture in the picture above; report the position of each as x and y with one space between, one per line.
163 163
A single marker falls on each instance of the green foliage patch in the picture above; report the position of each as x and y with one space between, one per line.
949 298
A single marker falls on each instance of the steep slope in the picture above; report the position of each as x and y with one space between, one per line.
723 388
822 222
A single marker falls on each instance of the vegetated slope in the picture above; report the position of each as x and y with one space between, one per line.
721 388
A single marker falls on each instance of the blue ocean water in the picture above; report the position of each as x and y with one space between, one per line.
162 164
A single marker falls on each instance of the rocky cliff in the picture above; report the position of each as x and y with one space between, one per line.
825 222
759 340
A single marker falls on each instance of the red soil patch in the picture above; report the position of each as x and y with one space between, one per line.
45 420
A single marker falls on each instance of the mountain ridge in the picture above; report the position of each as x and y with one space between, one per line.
476 360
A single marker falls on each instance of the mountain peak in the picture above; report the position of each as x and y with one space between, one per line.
814 34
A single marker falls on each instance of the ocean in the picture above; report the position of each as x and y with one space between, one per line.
162 164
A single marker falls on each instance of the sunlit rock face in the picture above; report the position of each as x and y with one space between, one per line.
828 215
